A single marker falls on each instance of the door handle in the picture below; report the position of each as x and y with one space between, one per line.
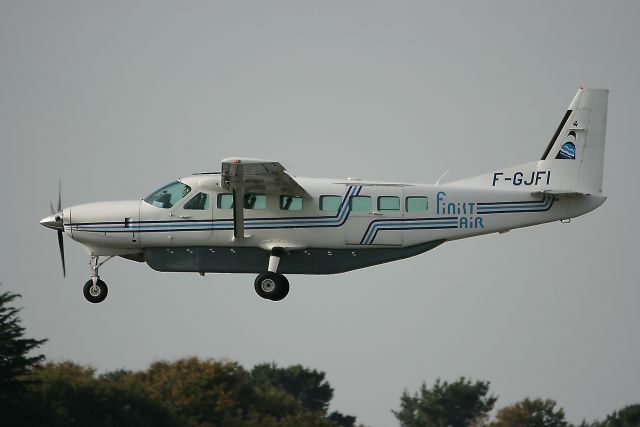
185 216
375 213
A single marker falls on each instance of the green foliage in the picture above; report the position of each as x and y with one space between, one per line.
462 403
307 386
189 392
68 394
629 416
531 413
342 420
204 391
15 362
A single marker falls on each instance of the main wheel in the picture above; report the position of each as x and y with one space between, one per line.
283 291
271 286
95 293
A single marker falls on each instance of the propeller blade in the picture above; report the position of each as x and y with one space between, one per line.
59 196
61 246
53 211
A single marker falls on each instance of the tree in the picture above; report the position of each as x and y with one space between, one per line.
531 413
67 395
306 385
222 393
462 403
341 419
629 416
15 362
206 392
186 393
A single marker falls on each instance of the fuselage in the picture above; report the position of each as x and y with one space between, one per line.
346 216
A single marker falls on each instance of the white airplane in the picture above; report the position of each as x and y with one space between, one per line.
255 218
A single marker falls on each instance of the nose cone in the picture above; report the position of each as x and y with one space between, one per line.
53 221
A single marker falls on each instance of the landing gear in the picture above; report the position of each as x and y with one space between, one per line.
271 285
95 290
95 293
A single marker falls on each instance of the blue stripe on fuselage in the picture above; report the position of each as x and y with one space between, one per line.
203 225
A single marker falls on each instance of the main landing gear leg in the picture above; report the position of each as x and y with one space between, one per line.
95 290
270 284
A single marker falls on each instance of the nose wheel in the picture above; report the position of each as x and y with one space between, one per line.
271 285
95 292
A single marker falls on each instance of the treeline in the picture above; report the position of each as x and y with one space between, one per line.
188 392
466 403
194 392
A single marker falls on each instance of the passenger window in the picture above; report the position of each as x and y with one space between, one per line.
198 202
388 203
255 201
416 203
290 203
330 203
225 200
360 203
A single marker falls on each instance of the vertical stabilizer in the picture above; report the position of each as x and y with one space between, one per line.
576 154
573 160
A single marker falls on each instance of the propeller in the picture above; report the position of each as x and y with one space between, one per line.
55 222
61 247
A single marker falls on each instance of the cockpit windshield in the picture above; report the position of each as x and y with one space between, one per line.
168 195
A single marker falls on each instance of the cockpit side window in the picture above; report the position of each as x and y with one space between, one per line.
168 195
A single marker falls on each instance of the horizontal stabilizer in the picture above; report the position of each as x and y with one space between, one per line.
558 193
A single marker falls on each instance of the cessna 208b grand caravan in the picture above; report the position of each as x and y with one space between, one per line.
253 217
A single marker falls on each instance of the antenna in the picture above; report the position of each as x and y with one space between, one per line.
442 176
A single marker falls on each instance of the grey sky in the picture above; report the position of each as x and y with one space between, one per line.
118 98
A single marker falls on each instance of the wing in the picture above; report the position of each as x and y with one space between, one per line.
258 176
242 176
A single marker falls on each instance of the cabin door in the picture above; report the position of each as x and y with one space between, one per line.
375 216
194 220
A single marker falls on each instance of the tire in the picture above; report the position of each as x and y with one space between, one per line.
97 294
283 290
271 286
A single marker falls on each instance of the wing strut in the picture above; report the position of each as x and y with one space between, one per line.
243 176
238 213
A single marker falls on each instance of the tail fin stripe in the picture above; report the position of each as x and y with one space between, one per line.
555 135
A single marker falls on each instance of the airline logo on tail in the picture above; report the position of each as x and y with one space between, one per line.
568 149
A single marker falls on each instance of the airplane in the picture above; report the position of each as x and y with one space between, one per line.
254 217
